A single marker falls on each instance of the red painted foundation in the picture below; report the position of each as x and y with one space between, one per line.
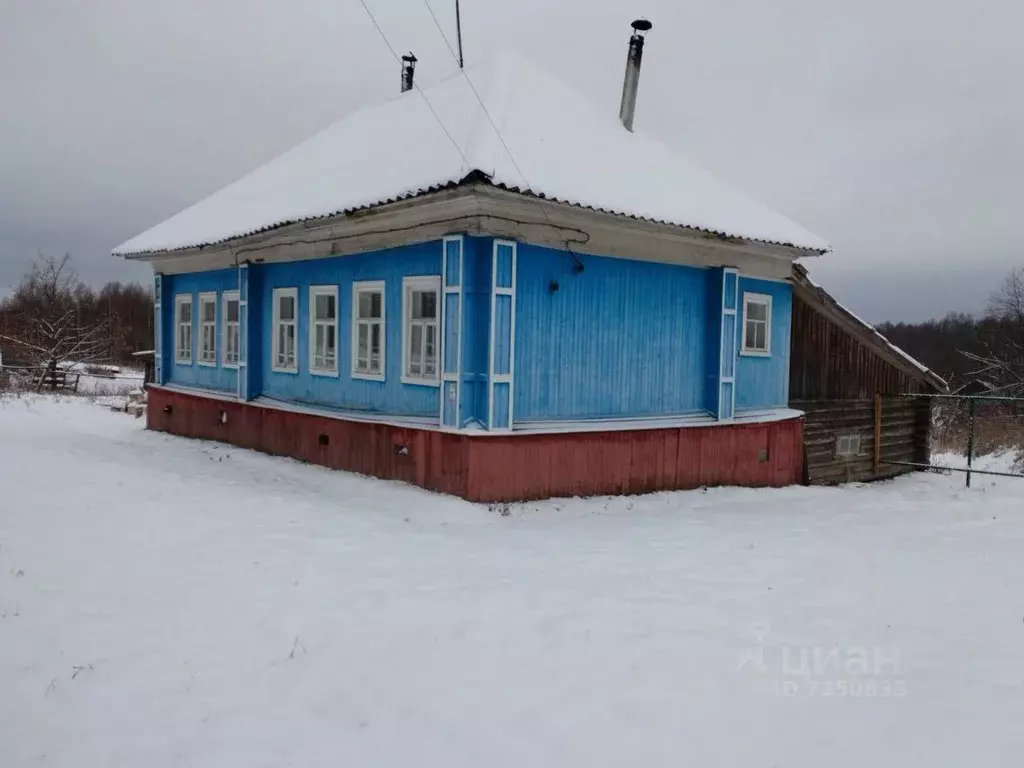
503 468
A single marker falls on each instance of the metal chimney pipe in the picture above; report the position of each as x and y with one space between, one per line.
629 84
408 71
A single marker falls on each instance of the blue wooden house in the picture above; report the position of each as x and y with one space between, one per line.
490 288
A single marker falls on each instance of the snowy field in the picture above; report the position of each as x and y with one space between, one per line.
168 602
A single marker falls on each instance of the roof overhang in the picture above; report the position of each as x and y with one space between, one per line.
811 293
478 207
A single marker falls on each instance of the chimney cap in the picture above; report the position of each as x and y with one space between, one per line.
410 57
642 25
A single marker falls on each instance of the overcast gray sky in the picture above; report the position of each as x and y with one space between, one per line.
893 128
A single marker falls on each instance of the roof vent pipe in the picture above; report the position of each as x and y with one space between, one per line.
408 71
629 85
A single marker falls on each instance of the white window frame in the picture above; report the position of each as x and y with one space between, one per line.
314 292
848 446
207 357
765 300
226 327
423 283
183 356
369 286
278 294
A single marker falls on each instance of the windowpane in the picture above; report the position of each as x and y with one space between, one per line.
369 304
286 308
430 352
757 311
232 311
760 342
424 305
362 348
416 350
186 312
324 308
374 359
231 343
375 338
318 342
376 305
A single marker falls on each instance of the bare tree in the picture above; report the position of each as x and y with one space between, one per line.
1002 359
48 320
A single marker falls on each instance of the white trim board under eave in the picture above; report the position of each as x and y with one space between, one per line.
481 209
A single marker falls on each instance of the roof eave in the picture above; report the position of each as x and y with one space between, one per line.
475 177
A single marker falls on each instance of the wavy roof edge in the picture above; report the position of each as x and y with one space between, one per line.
474 177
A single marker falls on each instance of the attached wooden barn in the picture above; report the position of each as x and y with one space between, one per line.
838 365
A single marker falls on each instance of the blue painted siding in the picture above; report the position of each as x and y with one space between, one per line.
713 319
158 330
764 381
451 333
500 406
255 340
725 410
504 259
476 298
621 338
729 290
390 396
451 255
192 374
502 334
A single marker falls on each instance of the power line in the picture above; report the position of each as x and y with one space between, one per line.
443 35
487 114
416 85
508 151
480 101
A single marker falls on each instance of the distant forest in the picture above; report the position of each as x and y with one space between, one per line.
53 318
983 353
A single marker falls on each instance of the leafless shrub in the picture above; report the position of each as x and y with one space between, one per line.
998 427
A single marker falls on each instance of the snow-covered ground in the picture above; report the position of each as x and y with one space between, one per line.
168 602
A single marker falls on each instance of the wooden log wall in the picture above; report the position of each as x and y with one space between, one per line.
828 362
905 429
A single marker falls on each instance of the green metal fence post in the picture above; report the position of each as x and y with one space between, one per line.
970 440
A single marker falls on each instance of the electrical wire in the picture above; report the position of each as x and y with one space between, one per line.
415 85
487 114
494 127
480 101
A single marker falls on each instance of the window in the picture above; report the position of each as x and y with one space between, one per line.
230 315
757 324
323 330
286 305
847 446
183 328
420 314
368 330
207 328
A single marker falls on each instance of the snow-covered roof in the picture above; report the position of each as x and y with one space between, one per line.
564 148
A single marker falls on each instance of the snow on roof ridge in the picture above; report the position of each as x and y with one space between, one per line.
576 153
